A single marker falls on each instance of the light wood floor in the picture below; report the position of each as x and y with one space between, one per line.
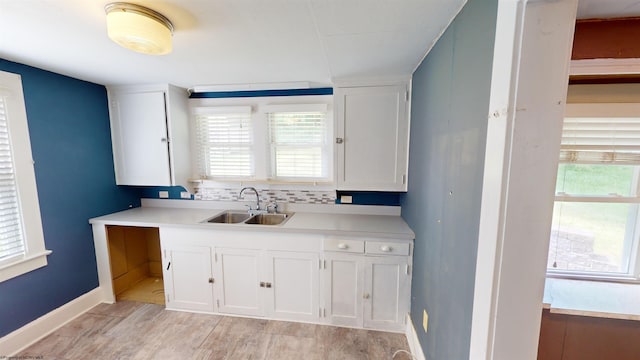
133 330
149 290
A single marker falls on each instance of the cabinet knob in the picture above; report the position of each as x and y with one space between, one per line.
164 140
365 296
262 284
268 285
385 248
210 280
343 246
339 140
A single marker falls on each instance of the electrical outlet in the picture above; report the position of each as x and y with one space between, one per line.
163 194
346 199
185 195
425 320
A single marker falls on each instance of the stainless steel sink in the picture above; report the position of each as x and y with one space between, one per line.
242 217
229 217
269 219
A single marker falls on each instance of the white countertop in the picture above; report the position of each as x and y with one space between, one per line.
340 222
592 298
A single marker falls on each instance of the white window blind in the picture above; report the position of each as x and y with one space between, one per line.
12 242
225 142
601 140
601 133
299 145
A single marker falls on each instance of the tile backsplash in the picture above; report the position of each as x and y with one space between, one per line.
267 195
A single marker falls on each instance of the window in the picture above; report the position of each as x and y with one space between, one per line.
225 142
271 140
299 144
21 237
595 219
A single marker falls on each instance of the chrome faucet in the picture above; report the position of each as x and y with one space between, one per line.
257 197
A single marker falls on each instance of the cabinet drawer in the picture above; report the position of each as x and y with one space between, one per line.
387 248
341 245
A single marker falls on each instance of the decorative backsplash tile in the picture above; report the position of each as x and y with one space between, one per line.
280 196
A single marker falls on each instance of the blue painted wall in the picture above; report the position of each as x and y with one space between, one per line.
450 103
71 145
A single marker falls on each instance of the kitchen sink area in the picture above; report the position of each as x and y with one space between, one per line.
269 219
229 217
240 217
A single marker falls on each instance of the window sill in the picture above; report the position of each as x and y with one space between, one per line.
24 265
592 298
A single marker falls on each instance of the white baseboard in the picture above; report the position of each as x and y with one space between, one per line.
18 340
412 339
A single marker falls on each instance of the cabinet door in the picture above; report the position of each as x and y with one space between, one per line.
386 292
343 289
292 290
373 132
187 277
139 136
238 291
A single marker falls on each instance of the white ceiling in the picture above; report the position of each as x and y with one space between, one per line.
242 41
230 41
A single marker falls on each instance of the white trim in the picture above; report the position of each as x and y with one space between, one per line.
414 342
604 67
24 265
27 335
526 107
25 180
252 87
617 199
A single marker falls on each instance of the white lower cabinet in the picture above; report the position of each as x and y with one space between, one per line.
351 283
387 292
188 279
343 285
367 291
277 284
294 281
239 274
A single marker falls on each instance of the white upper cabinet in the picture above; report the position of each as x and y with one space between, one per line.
372 136
150 135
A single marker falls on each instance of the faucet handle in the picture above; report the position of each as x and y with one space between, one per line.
273 205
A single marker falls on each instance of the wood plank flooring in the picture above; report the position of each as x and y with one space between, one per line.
133 330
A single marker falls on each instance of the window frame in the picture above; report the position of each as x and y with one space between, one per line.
261 105
325 145
631 244
201 146
35 255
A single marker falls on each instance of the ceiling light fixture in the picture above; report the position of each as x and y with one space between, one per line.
139 28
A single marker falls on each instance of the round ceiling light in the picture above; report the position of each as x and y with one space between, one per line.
139 28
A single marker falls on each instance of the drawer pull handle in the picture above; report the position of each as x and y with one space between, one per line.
343 246
385 248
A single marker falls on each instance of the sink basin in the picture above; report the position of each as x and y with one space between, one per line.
229 217
269 219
